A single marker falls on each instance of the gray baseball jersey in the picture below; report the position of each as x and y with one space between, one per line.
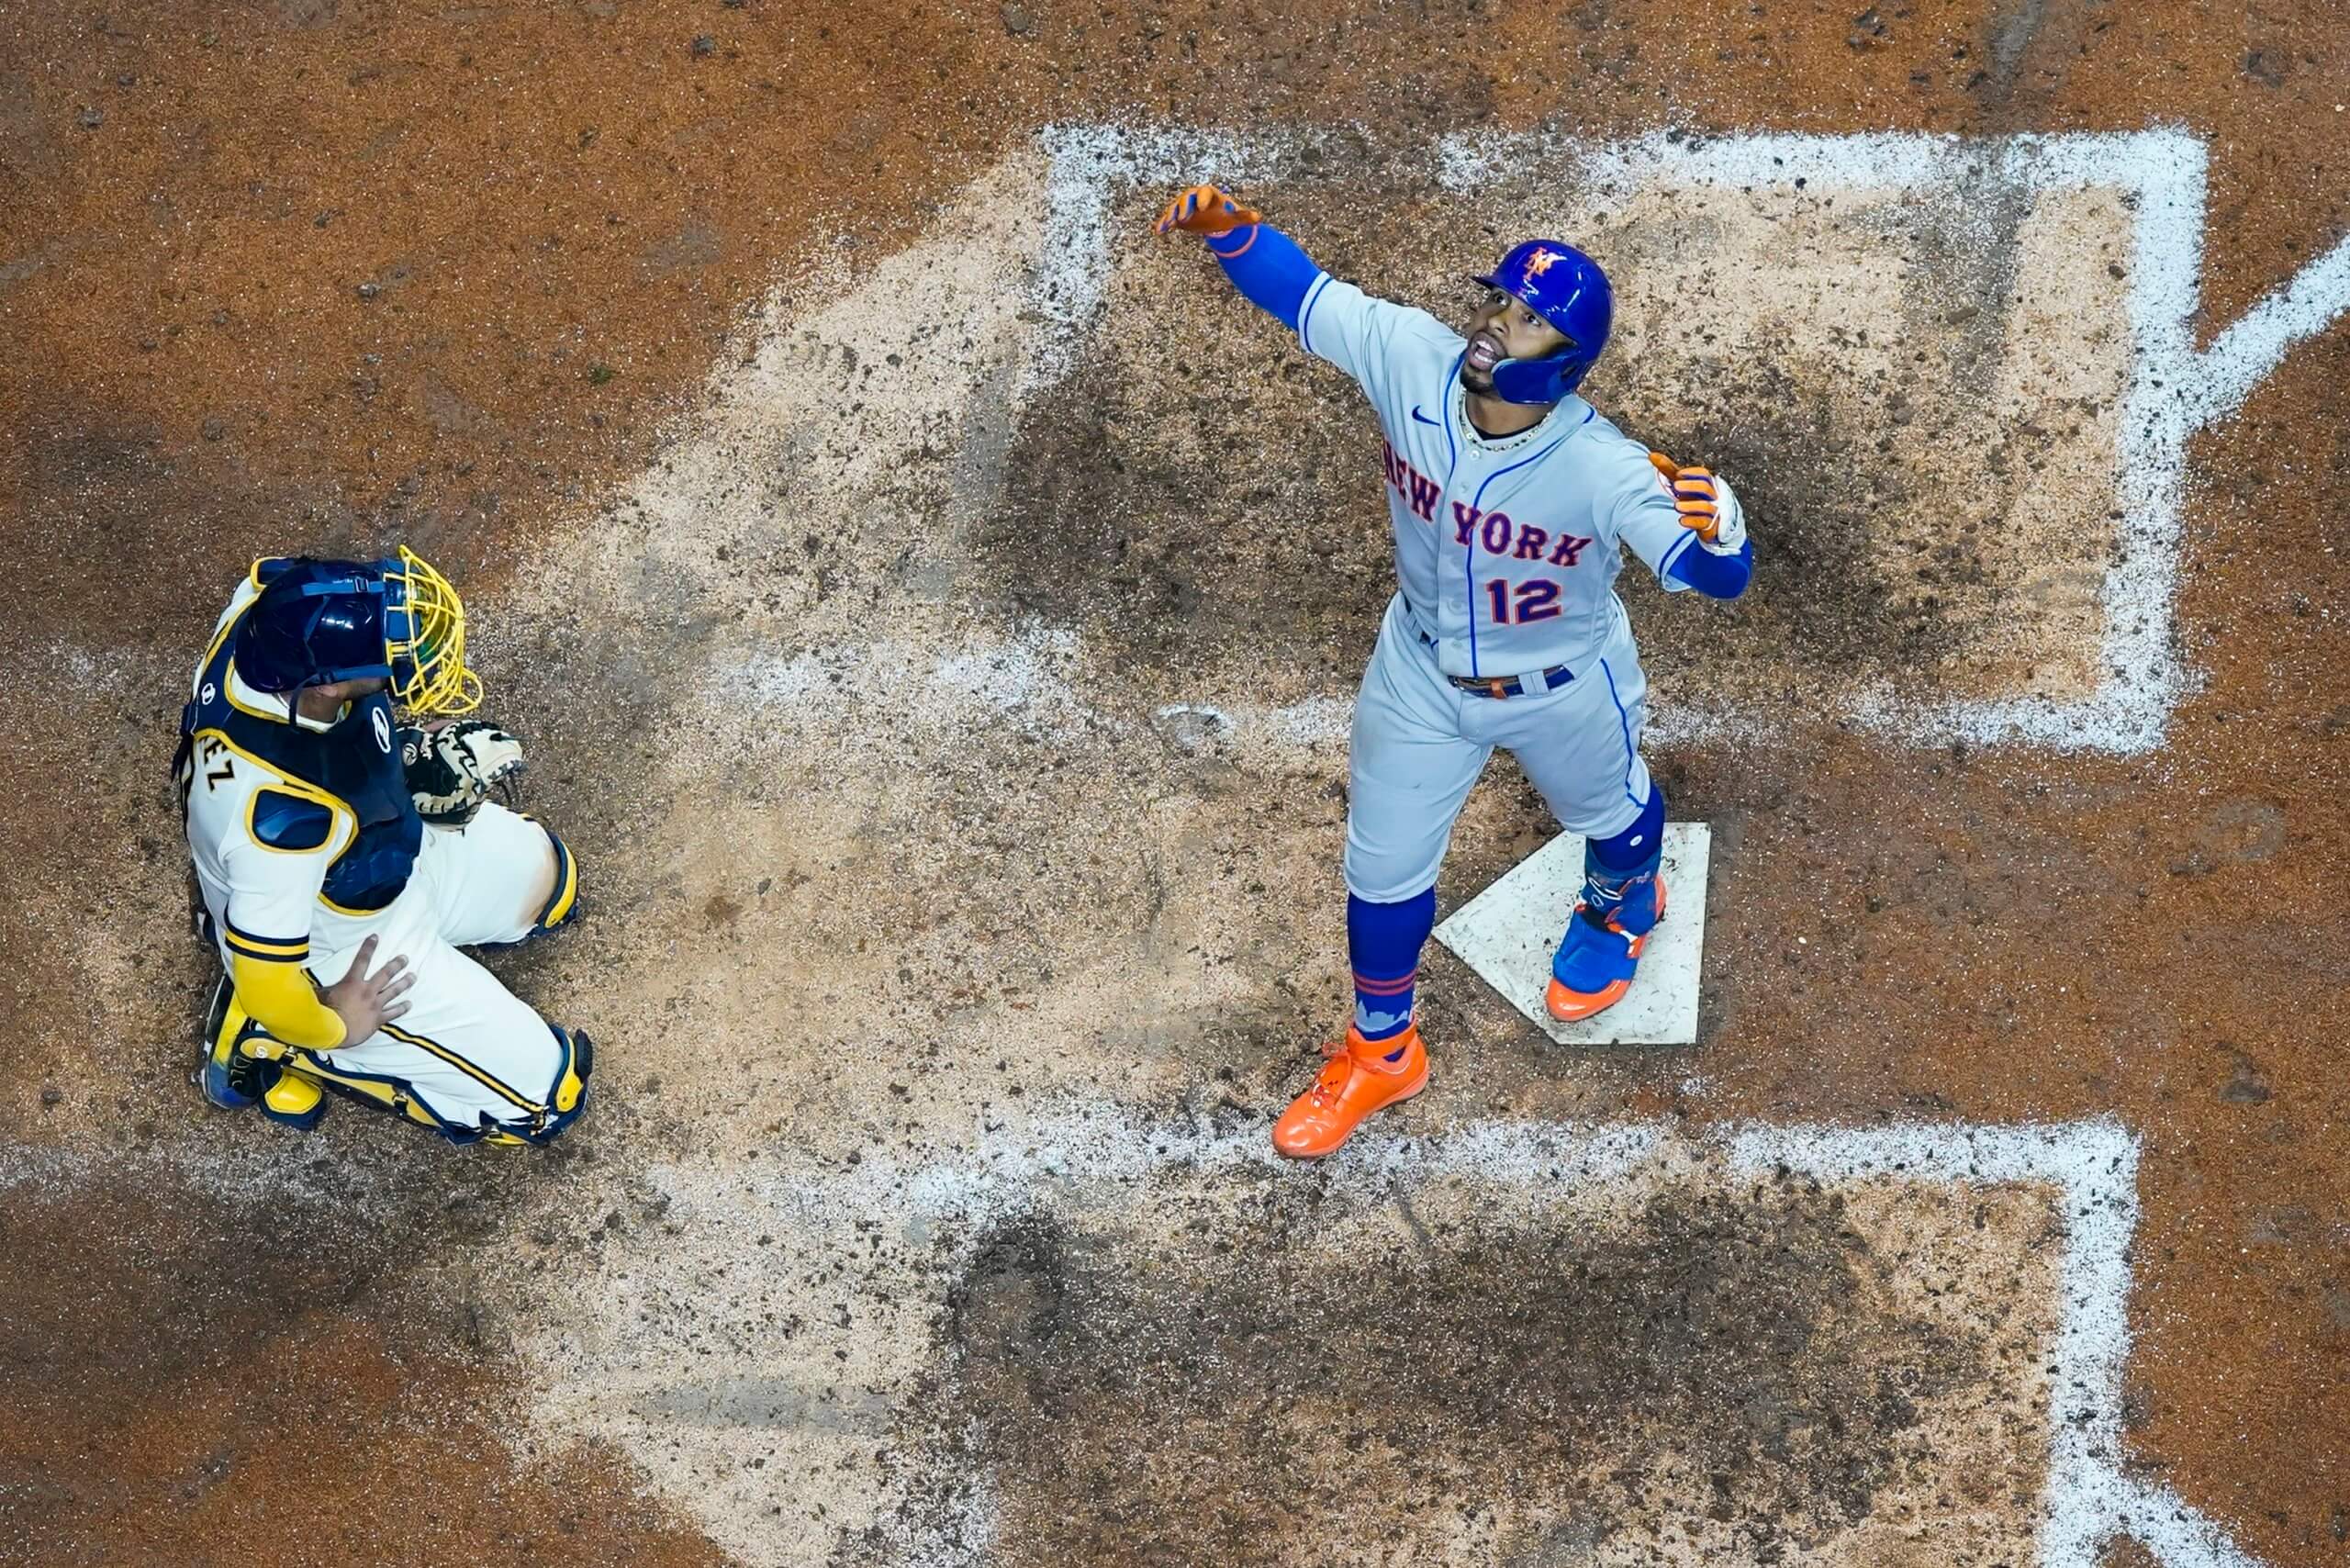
1506 551
1506 554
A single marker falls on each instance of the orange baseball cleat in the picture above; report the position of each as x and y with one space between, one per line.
1355 1082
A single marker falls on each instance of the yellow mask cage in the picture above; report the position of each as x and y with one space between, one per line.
429 673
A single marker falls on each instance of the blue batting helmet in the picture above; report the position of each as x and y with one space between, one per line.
318 622
1567 289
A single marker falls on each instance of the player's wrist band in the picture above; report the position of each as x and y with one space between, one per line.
1246 233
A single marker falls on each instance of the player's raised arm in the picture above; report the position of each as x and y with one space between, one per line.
1687 524
1336 322
1265 264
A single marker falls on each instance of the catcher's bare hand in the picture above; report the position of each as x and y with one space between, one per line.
1203 209
367 1001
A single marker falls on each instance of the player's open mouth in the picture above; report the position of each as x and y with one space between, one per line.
1485 352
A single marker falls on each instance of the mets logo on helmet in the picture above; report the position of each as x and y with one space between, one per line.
1539 261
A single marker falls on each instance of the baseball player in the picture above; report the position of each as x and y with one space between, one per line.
1511 499
341 859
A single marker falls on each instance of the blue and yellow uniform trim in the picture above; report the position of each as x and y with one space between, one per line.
537 1122
376 835
266 949
474 1070
565 896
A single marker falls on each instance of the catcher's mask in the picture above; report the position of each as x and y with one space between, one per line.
1567 289
318 622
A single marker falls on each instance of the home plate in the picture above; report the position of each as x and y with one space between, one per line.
1508 932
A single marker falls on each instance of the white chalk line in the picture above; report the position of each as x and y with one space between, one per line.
946 686
2091 1165
2243 354
2173 390
1002 1170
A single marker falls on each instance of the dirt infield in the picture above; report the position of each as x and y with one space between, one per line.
1555 1403
946 691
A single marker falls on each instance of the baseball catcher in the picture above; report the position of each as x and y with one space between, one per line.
345 850
1511 500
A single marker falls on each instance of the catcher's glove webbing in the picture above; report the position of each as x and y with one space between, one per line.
453 769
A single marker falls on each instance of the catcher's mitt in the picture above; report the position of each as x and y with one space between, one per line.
453 768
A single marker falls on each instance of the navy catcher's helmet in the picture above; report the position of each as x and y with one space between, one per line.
318 622
1567 289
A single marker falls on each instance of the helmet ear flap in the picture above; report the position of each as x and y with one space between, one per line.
1530 381
1566 288
1541 381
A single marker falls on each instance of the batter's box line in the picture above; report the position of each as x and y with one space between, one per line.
2173 389
2090 1165
2094 1166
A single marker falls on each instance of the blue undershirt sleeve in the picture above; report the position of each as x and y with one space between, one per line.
1268 268
1716 576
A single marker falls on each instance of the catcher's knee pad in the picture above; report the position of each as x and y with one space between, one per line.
564 1104
563 904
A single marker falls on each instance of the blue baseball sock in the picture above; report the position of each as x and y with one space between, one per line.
1611 867
1383 942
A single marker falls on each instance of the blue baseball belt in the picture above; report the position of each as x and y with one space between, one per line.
1552 678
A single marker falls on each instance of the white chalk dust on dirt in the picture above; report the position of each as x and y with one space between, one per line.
1915 395
895 864
1091 1340
910 825
1919 399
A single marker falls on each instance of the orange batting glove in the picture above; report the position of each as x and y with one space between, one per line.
1692 496
1203 209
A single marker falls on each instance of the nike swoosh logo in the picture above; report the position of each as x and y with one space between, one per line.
1420 416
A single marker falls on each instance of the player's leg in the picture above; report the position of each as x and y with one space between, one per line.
241 1068
503 878
1581 750
1409 770
468 1058
243 1064
1623 899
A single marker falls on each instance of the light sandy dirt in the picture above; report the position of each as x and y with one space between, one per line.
955 757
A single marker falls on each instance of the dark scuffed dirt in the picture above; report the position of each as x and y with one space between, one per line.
238 1361
1175 534
1199 492
1705 1366
564 209
1851 616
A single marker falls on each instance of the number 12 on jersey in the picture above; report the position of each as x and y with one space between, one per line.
1514 604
